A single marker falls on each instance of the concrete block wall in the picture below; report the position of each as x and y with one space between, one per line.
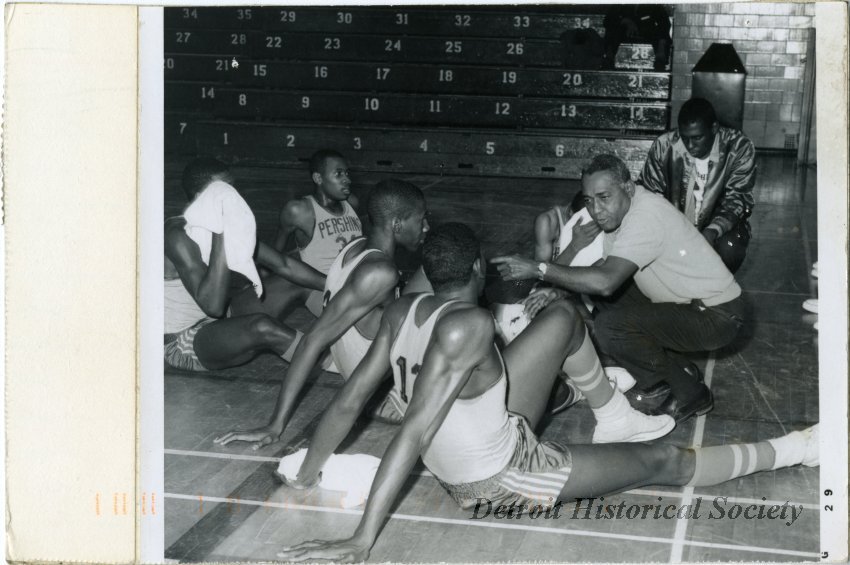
771 39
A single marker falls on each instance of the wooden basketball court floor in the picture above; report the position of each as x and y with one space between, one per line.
224 504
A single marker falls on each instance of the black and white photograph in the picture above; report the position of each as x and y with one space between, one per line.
488 283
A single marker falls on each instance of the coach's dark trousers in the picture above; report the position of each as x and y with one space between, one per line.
646 338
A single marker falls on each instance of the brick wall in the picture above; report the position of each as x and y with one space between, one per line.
771 40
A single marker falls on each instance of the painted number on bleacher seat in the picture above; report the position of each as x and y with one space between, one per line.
207 92
182 127
568 111
559 150
572 79
635 81
190 13
490 147
382 72
515 48
372 104
260 70
225 138
305 101
401 19
390 45
183 36
274 42
582 22
454 46
434 107
521 21
243 100
287 16
243 14
332 43
238 39
222 64
424 145
344 18
508 77
169 63
642 52
503 108
446 75
320 71
358 144
290 140
463 20
636 113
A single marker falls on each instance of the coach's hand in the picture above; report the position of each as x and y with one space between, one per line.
584 234
261 437
515 268
342 551
540 299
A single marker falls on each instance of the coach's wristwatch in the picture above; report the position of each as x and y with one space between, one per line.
541 270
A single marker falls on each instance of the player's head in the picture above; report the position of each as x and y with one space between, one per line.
201 172
329 172
577 203
451 256
399 206
698 126
607 186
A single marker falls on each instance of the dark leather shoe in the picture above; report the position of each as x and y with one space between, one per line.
657 390
697 405
694 371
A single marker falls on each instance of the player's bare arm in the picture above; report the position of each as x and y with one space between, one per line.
296 220
289 267
208 284
602 279
545 232
462 341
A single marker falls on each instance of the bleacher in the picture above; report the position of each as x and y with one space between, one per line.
468 89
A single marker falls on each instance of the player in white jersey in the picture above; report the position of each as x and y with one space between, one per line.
361 283
480 447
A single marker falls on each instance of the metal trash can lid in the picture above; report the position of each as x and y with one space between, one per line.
720 58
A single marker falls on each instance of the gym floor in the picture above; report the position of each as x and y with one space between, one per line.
224 503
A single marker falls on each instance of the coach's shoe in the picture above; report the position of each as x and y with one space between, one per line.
658 390
620 378
799 447
564 395
618 422
701 403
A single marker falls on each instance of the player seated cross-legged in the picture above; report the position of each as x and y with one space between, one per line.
361 282
481 448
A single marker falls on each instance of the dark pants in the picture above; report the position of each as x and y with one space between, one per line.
732 245
647 339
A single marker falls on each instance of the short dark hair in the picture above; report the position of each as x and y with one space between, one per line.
448 253
610 164
317 159
577 202
393 198
697 110
200 172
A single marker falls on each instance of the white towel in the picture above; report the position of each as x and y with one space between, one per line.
220 209
590 254
352 474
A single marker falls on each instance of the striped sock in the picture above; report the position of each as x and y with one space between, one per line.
585 370
715 465
290 351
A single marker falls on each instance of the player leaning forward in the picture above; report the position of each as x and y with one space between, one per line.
458 421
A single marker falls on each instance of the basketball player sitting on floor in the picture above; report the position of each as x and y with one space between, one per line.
480 444
200 334
360 283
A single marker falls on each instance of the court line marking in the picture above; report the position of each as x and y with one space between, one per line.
427 473
455 521
688 492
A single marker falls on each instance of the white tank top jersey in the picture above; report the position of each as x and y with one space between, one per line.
476 440
352 346
330 234
181 310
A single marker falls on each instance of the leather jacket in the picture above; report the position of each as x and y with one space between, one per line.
728 196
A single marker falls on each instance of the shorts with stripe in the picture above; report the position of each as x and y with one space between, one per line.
536 474
180 347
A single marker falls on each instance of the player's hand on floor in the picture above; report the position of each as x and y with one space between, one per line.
515 268
299 483
341 551
540 299
260 437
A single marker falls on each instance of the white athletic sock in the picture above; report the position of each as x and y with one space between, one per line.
287 355
796 448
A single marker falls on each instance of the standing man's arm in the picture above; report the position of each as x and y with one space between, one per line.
208 284
462 340
653 176
367 288
737 201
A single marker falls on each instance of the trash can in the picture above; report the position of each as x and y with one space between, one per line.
719 77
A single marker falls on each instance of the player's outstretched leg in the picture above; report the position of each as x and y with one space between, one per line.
602 469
